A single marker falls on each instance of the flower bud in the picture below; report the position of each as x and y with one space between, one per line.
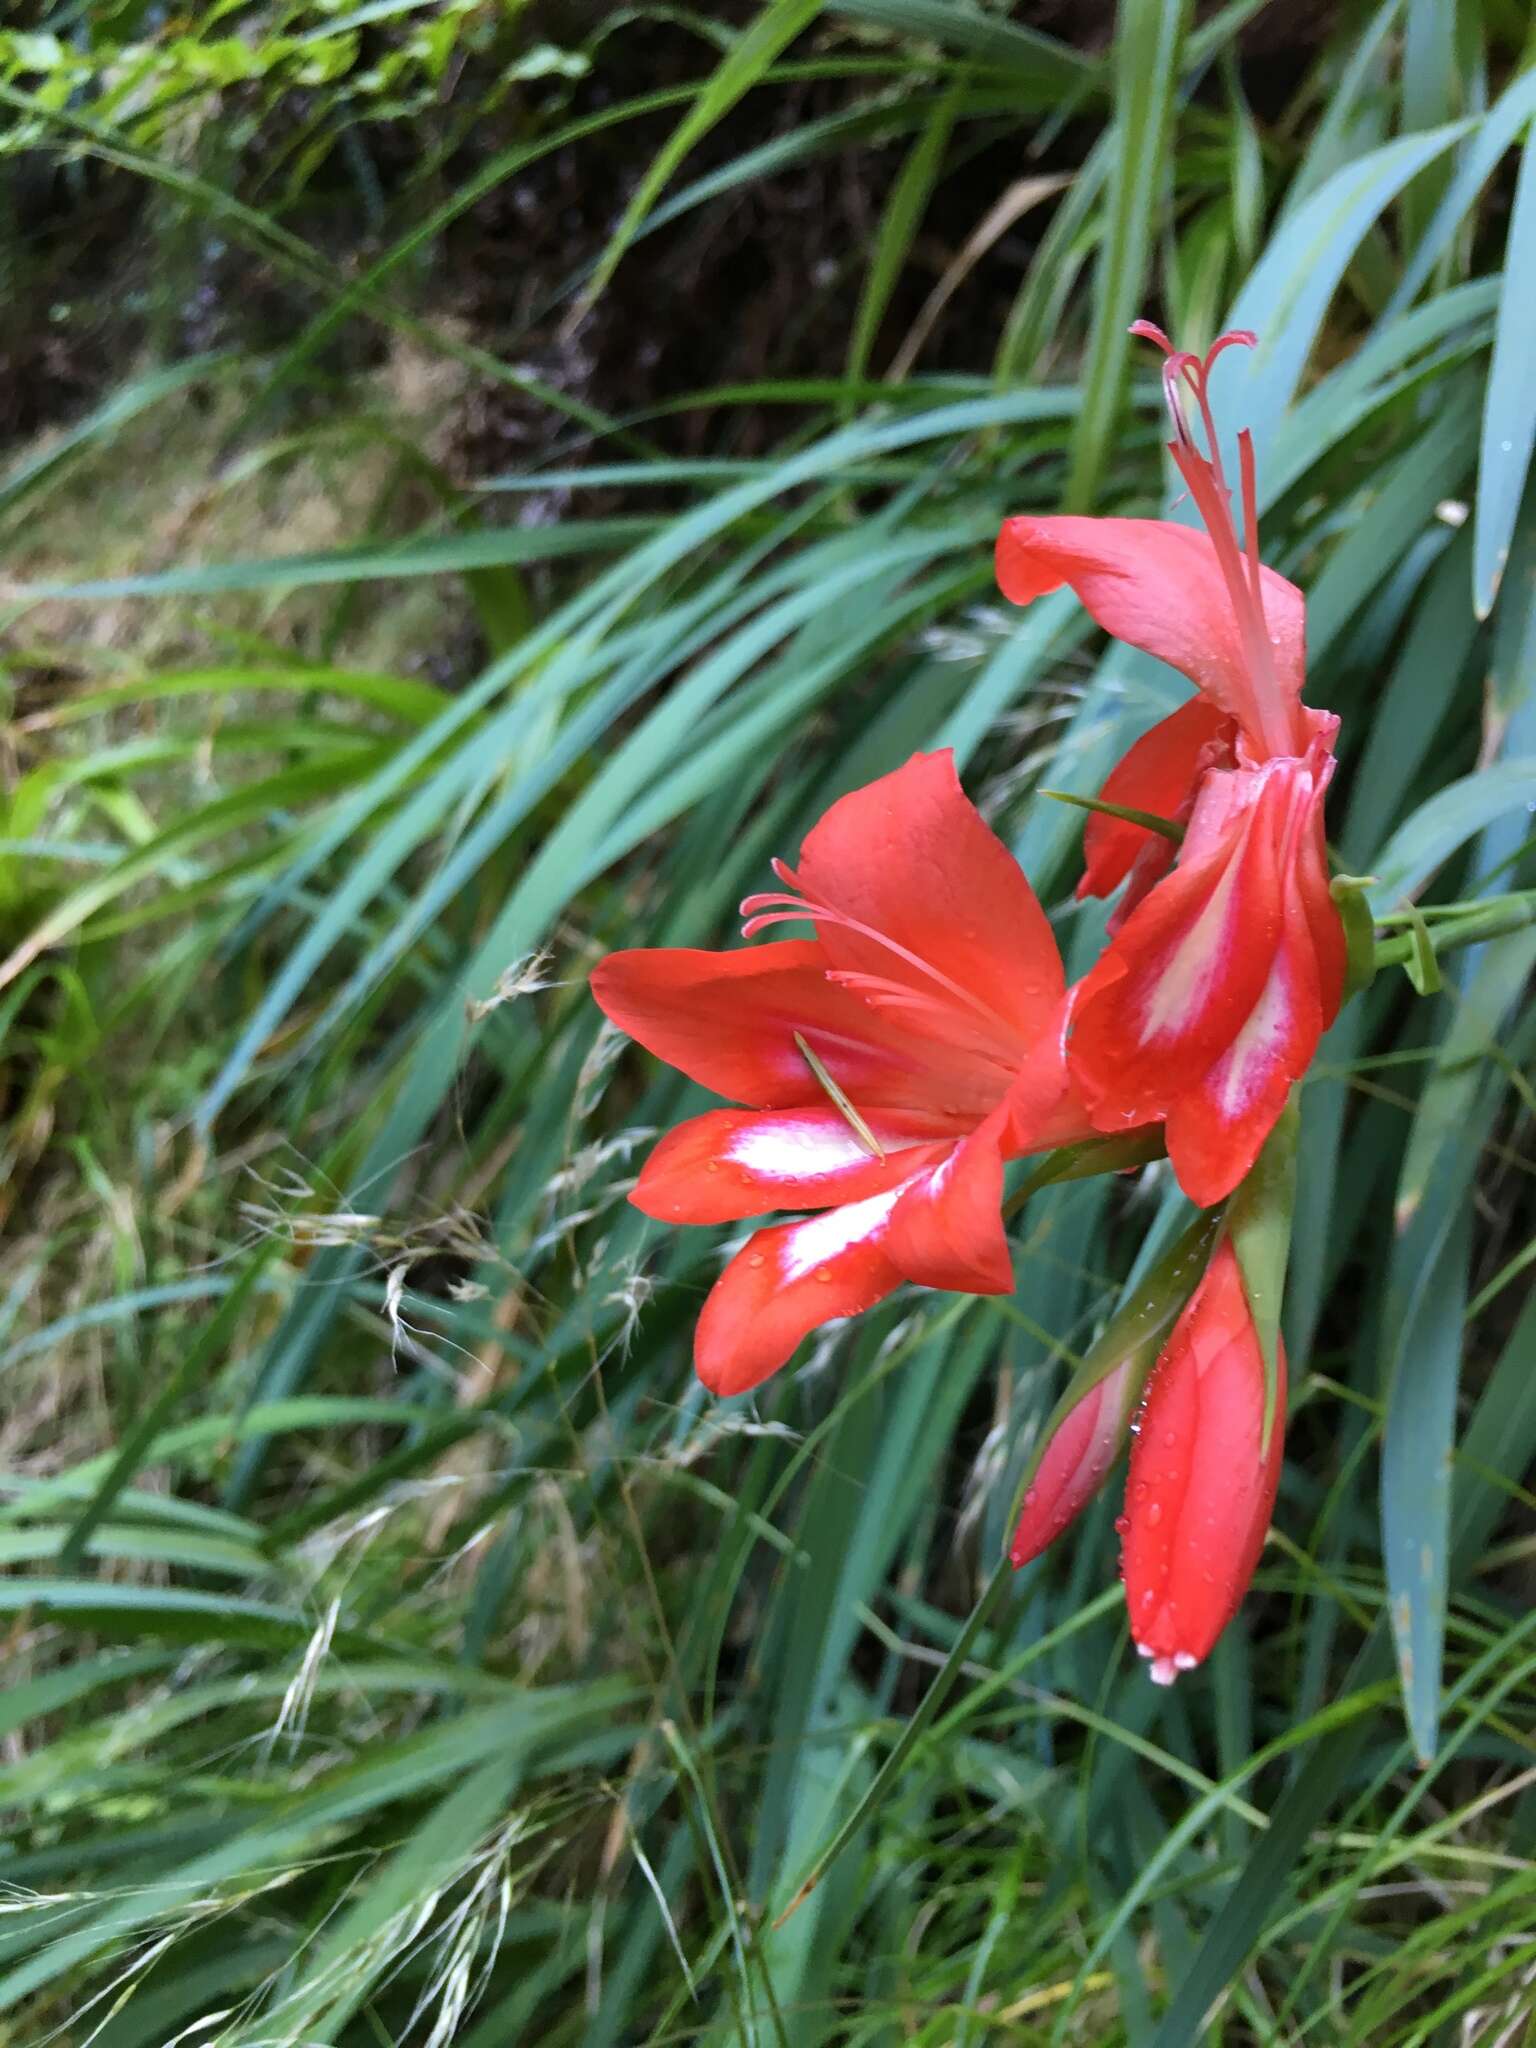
1202 1486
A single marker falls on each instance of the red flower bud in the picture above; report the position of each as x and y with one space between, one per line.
1201 1488
1075 1463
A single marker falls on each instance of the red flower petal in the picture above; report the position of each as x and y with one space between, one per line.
785 1282
1200 1495
728 1021
1185 971
1156 585
732 1163
911 858
1158 774
947 1228
1216 1131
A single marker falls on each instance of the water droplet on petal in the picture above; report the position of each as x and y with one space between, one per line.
1029 1497
824 1273
1122 1523
754 1258
712 1166
1155 1513
1170 1438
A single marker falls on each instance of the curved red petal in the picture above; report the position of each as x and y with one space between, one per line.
1200 1494
947 1228
1158 774
1156 585
728 1021
1185 971
911 858
731 1163
1074 1467
785 1282
1216 1131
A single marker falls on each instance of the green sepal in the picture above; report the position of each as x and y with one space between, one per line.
1148 820
1134 1336
1083 1160
1421 966
1348 893
1259 1219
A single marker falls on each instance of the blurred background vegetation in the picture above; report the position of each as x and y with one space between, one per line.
478 479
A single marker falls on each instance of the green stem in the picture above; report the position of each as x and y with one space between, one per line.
1453 926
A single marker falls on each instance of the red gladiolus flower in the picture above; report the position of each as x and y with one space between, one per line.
889 1066
1201 1489
1227 956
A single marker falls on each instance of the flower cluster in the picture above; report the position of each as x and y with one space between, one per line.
888 1067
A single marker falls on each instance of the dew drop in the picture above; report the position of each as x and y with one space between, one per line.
1147 1596
824 1273
712 1166
1170 1438
754 1258
1029 1497
1155 1513
1122 1523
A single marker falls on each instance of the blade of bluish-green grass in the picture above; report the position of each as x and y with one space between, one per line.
1509 407
1039 63
208 1432
751 54
131 1302
1288 293
1051 627
1426 1307
407 698
1403 507
1421 690
1492 138
1427 1287
899 222
1498 1443
1443 824
425 555
43 1542
1380 368
1353 115
1429 87
126 403
1147 41
35 1698
663 734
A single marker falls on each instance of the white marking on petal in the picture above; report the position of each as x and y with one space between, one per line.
796 1151
1182 981
820 1238
1258 1045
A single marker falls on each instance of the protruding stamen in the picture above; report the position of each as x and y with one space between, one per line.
840 1102
1268 715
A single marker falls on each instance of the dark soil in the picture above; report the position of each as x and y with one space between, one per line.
759 283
